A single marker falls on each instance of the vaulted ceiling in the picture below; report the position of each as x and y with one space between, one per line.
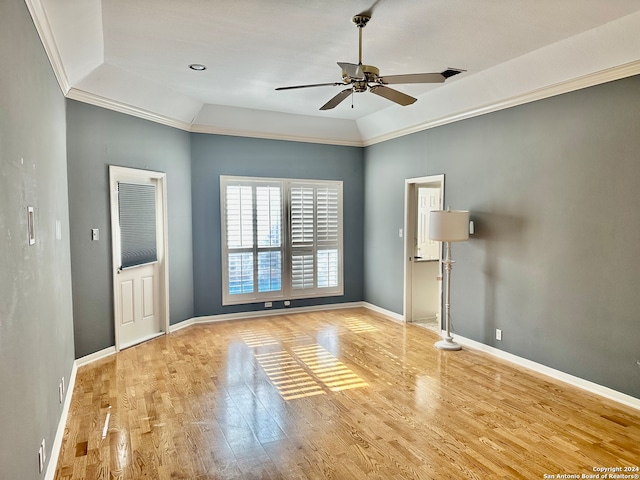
133 57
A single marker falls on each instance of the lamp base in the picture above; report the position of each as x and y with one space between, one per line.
447 343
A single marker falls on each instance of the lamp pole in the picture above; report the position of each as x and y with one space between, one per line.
447 342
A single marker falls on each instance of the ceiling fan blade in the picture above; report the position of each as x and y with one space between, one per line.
335 101
312 85
412 78
352 70
420 77
393 95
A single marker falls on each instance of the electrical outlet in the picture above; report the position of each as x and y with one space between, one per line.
268 304
60 392
498 334
63 387
42 456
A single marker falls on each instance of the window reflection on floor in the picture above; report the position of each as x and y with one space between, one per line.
299 368
358 326
286 374
328 369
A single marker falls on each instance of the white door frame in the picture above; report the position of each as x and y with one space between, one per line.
160 179
410 221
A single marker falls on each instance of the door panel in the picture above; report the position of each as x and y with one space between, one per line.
139 304
148 297
126 301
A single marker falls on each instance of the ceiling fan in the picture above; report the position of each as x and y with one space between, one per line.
361 78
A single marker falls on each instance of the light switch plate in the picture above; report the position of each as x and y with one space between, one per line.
95 234
31 227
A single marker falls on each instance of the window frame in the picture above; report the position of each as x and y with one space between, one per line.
287 292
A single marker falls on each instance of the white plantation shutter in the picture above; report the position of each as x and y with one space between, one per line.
269 237
316 238
302 237
265 258
327 258
239 216
239 222
252 247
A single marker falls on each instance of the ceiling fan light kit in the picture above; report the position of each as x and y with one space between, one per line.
361 78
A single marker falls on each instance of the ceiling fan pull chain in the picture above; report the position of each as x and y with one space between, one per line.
351 98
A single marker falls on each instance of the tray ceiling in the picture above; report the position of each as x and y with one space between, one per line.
134 57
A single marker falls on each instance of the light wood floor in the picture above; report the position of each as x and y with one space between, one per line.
340 394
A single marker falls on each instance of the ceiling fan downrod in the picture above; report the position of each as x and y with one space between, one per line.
361 22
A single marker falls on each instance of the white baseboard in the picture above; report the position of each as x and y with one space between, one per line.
92 357
183 324
62 423
57 441
262 313
581 383
383 311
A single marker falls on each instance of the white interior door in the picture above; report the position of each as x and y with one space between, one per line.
423 277
139 255
428 200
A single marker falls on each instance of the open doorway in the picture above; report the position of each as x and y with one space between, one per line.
423 274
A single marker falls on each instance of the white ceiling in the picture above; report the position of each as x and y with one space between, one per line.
134 57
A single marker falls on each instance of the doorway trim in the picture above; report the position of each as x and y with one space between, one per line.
160 181
410 225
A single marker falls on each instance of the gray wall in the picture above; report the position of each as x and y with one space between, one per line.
215 155
97 138
36 334
553 187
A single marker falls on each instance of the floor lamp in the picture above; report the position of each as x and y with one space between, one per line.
448 226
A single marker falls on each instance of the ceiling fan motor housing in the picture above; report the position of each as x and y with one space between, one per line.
371 75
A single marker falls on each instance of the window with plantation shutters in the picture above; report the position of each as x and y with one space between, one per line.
282 239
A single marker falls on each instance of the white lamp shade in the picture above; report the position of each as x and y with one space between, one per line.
449 225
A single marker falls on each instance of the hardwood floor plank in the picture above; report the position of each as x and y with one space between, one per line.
344 394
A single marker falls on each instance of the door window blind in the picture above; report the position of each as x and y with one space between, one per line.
137 221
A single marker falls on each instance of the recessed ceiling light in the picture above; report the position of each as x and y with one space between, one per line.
198 67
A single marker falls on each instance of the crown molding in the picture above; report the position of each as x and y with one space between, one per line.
585 81
104 102
199 128
43 27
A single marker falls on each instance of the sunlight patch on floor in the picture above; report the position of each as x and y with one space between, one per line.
328 369
289 378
